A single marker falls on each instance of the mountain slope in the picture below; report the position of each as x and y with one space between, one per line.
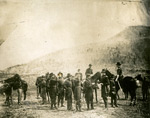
130 47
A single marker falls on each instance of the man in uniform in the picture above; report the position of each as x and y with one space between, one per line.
89 71
79 75
88 91
60 89
53 91
77 95
38 85
113 93
68 87
104 87
43 89
119 71
119 77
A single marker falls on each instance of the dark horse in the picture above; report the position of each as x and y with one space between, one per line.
130 85
118 84
127 84
14 83
145 86
95 79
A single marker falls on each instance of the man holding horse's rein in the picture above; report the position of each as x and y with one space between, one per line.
89 71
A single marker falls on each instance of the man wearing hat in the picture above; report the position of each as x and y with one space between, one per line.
119 71
104 87
38 85
79 75
43 89
53 91
77 95
88 91
60 89
89 71
68 87
113 93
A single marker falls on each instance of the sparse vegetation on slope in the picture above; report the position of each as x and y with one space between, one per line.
130 47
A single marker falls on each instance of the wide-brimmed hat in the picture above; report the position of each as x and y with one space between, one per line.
103 71
90 64
60 73
118 63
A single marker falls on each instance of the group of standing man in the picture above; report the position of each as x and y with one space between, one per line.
72 86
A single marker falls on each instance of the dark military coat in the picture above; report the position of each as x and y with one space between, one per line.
53 86
60 86
119 72
77 91
68 87
38 81
112 87
43 83
104 87
88 90
88 72
79 76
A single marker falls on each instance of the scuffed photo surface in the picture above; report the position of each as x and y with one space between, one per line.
37 37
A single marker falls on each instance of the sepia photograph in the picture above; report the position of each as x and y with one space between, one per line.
74 58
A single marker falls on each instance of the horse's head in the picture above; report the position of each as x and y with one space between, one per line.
14 81
4 86
9 80
139 77
109 74
96 77
17 76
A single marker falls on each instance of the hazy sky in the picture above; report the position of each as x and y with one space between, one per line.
32 28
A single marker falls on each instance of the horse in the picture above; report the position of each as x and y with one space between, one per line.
145 86
95 79
130 85
127 84
14 83
118 84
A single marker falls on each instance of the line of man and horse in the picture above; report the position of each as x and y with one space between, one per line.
73 87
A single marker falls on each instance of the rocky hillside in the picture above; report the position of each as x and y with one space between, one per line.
130 47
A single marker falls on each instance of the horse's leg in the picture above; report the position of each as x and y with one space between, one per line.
10 96
58 100
19 95
132 97
143 93
117 94
146 95
126 95
96 95
37 92
25 94
7 100
47 96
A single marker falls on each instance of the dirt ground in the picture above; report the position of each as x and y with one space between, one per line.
32 108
